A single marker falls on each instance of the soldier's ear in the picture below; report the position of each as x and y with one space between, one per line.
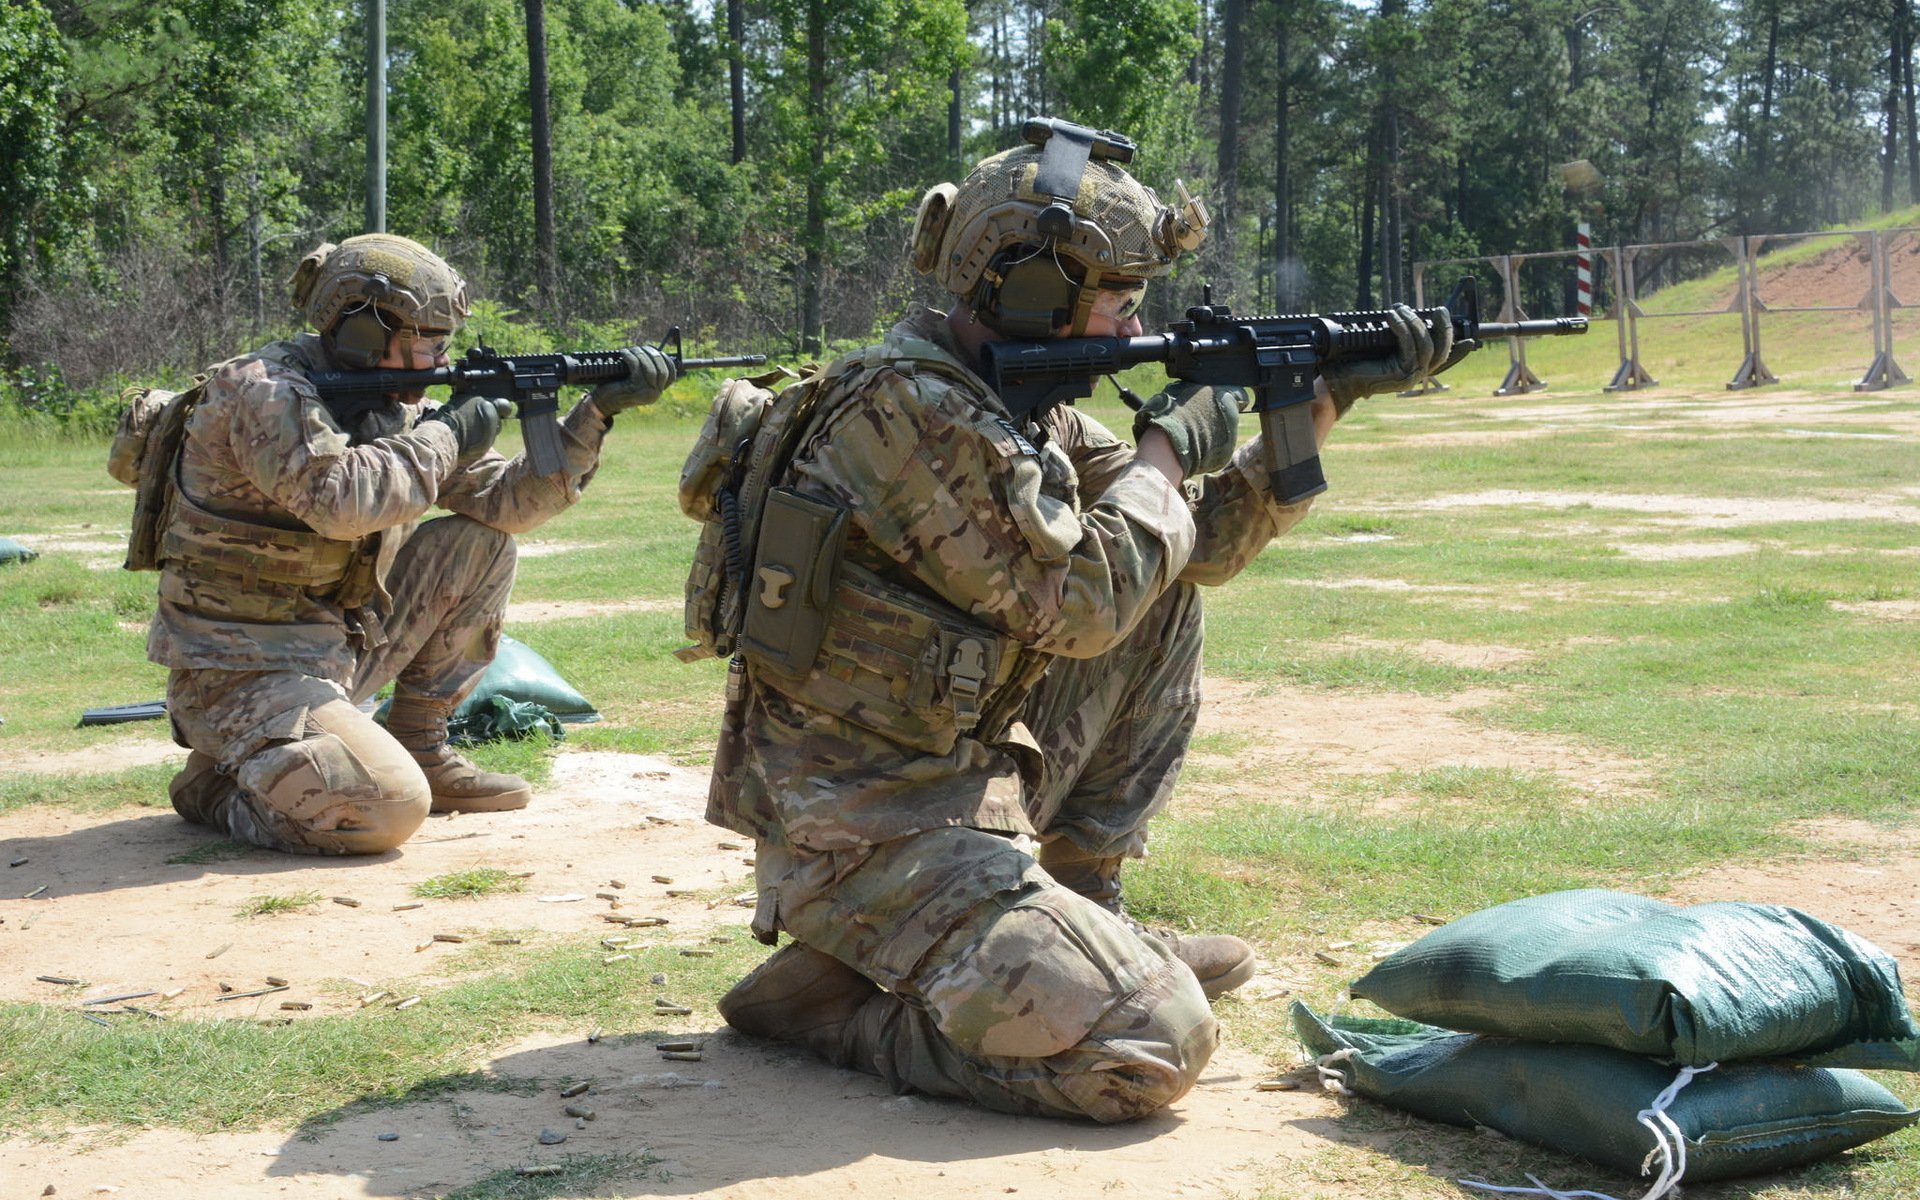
930 226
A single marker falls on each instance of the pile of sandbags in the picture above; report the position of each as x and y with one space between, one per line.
1698 1043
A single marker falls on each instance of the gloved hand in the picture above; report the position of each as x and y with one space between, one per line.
649 371
475 421
1199 419
1420 353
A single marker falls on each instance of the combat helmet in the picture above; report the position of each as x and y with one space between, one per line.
1027 239
359 291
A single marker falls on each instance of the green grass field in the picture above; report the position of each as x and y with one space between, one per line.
1745 654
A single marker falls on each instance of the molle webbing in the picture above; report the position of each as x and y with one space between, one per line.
254 554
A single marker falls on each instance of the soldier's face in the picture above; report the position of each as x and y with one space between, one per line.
1116 309
422 350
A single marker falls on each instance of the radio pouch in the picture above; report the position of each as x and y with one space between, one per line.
789 595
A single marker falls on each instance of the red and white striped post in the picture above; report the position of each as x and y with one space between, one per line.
1583 239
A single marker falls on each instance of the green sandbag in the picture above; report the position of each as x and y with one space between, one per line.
521 675
13 552
1738 1119
1706 983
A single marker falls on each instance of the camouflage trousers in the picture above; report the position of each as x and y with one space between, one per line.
1001 985
287 760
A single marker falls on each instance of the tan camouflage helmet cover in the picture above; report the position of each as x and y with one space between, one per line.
410 285
1120 227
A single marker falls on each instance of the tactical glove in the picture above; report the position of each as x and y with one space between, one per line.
1420 353
649 371
475 421
1199 419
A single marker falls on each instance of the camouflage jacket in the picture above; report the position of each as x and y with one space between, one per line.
262 450
1059 548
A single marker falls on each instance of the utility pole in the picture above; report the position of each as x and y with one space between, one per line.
376 116
545 247
737 75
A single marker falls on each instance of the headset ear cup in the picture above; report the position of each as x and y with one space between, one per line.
360 340
1034 298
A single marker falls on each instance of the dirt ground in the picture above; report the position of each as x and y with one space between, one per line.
753 1121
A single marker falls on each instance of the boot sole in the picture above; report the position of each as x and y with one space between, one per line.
505 802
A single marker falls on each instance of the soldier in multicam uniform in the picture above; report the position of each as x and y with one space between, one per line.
1009 671
297 580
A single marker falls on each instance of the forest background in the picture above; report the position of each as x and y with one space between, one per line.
748 169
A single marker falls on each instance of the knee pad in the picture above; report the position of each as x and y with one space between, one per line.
335 798
1146 1053
1034 973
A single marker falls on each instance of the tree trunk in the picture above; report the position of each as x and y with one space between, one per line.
1890 158
737 74
1907 89
1763 136
217 214
999 72
1198 72
1284 299
1370 186
1576 54
1392 214
814 236
1388 148
955 110
545 252
254 267
1233 48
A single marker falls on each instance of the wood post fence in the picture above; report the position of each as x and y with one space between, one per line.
1623 270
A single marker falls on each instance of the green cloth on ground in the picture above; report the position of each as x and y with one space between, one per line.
500 717
519 692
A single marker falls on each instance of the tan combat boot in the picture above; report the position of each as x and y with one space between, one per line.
1219 961
801 995
420 726
199 791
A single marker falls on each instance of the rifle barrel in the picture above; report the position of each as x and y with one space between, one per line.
729 360
1553 327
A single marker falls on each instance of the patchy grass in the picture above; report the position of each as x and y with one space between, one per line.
238 1074
267 906
212 852
466 885
142 787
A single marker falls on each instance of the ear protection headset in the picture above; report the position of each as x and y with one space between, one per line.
359 341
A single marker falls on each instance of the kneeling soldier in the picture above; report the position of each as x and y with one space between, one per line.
970 667
297 580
